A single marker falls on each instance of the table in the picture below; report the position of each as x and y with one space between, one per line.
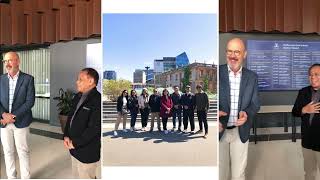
285 109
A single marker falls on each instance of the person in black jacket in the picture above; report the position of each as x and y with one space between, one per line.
143 101
82 134
154 103
176 109
202 107
188 105
122 109
307 107
134 108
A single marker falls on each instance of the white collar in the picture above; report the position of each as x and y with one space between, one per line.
15 76
236 73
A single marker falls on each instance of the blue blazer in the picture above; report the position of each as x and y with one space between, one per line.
23 100
248 99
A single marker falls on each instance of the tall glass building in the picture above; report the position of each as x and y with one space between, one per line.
149 75
169 63
182 60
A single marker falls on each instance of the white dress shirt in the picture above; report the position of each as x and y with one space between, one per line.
234 81
12 86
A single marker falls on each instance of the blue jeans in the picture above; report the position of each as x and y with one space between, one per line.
176 113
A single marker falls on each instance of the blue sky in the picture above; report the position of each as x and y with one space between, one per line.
133 41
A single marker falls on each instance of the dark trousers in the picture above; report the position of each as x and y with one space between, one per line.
133 119
144 116
188 116
164 123
202 117
176 113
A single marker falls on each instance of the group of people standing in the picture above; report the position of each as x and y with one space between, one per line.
164 106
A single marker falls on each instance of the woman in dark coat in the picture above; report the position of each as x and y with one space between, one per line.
143 101
165 109
133 106
122 109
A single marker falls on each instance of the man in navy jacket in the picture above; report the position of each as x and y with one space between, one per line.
238 104
17 96
188 104
176 109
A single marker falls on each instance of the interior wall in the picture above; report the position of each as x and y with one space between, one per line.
67 59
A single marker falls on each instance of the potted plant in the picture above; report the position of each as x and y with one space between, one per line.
64 106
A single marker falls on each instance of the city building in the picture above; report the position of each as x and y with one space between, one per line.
199 72
149 76
169 63
139 76
158 66
110 75
182 60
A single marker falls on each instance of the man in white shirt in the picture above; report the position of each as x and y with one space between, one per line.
17 96
238 103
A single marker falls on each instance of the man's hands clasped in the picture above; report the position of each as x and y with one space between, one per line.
7 118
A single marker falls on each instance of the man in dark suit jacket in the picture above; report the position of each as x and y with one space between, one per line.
238 103
307 107
17 96
82 134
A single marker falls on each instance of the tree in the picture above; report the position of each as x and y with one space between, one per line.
113 88
186 78
205 83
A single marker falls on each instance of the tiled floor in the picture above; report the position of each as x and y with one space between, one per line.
275 160
46 127
49 159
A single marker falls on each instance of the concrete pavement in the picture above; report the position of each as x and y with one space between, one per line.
158 149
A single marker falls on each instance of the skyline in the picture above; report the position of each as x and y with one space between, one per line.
142 38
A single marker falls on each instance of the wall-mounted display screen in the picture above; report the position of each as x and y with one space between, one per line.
282 65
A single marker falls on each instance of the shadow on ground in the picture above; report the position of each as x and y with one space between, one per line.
155 136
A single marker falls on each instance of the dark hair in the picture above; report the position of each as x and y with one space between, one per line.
164 91
198 86
123 92
132 92
145 90
92 73
312 66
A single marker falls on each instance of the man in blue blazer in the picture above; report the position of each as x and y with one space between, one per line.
238 103
17 96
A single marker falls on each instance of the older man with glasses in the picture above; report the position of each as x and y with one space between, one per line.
17 97
238 103
307 107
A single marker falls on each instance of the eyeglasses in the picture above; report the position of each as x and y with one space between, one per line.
315 74
236 52
7 60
